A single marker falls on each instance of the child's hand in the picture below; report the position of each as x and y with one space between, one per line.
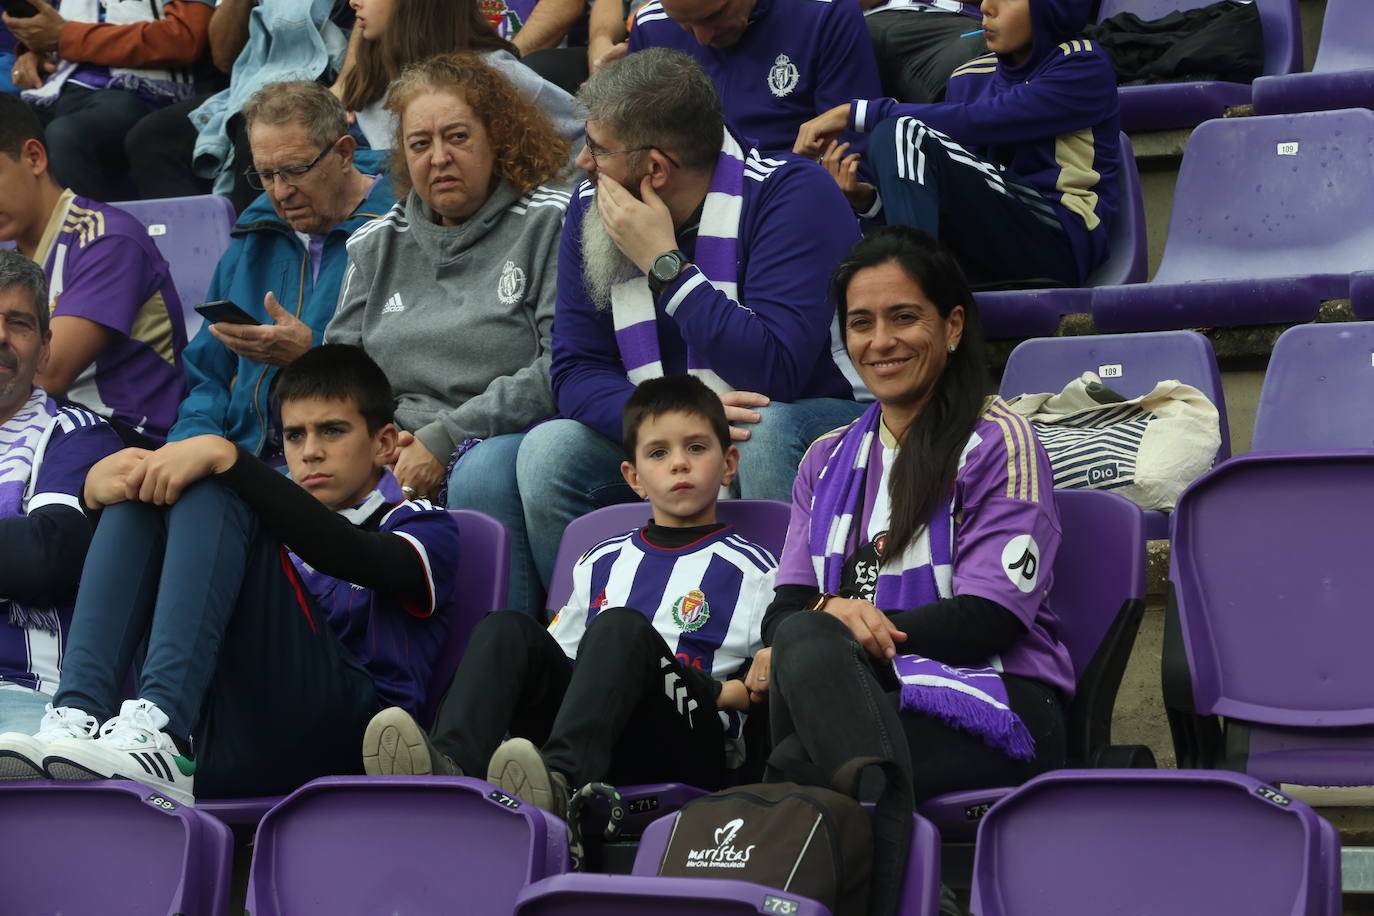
814 134
733 696
845 170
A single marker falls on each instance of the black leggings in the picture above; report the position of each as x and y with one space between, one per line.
828 695
627 712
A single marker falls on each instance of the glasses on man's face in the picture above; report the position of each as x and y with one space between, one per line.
597 153
262 179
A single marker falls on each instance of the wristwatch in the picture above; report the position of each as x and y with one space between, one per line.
666 268
821 600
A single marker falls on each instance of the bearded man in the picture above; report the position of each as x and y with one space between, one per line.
685 251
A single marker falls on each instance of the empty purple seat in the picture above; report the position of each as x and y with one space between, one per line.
1270 218
1129 364
1362 293
109 848
401 845
1099 597
920 885
1036 312
763 521
632 895
1343 74
484 571
1186 843
192 233
1266 663
1164 105
1318 390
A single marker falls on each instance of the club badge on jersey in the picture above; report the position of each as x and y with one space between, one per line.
782 79
691 611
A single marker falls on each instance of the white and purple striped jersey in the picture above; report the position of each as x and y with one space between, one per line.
32 657
706 599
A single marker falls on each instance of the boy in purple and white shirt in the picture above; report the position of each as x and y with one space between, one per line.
45 452
637 679
117 327
278 615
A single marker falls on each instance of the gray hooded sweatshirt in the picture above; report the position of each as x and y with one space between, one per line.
458 317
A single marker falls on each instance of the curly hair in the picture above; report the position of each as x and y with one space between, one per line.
528 149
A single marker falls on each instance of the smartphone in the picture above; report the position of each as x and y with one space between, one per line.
19 9
221 309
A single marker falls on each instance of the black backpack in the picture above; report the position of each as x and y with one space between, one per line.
801 837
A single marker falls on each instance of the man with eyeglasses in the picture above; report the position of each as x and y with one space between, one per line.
117 329
286 262
685 251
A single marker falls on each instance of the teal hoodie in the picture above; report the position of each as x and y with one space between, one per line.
229 394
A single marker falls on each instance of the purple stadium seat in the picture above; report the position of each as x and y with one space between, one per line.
1099 597
1265 663
632 895
192 233
412 845
1165 105
484 570
1270 218
107 848
763 521
1129 364
920 886
1362 293
1318 390
1186 843
1036 312
1341 77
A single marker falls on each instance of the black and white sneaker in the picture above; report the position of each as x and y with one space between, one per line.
132 745
21 755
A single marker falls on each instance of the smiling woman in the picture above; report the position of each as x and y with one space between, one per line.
925 534
452 292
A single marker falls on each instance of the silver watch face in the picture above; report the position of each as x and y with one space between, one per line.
667 266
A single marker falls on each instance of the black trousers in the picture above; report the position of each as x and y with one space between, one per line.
159 149
626 712
829 697
918 51
85 131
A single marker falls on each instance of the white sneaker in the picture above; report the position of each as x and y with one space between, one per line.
132 745
21 755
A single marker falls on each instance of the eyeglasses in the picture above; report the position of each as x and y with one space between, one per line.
599 154
291 174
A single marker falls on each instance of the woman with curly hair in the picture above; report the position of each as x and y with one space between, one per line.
389 35
452 292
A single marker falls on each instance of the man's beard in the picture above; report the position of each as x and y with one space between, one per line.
603 263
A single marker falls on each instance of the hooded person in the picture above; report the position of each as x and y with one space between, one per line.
1016 171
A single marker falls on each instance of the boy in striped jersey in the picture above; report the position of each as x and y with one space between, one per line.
629 682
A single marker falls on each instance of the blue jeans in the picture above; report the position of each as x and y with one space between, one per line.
484 480
566 469
21 710
237 653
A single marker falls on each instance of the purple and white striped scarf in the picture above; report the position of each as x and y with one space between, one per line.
22 439
972 699
717 256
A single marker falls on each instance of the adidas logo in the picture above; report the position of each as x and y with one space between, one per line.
394 304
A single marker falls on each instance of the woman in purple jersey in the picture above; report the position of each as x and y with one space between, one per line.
924 534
